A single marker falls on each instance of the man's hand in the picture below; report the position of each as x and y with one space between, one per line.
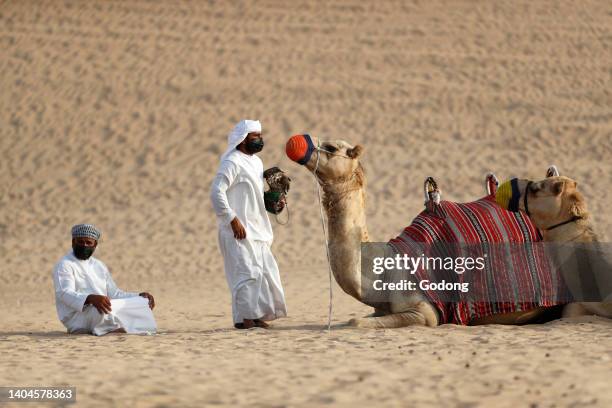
100 302
239 231
150 297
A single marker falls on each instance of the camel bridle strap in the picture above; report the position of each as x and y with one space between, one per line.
525 202
513 204
342 180
526 205
573 219
320 149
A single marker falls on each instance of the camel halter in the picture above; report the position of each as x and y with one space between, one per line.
526 205
319 149
573 219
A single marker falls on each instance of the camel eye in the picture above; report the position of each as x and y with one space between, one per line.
330 148
557 188
534 188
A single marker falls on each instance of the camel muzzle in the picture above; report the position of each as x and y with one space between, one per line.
299 148
508 195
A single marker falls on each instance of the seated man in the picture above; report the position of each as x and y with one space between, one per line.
84 292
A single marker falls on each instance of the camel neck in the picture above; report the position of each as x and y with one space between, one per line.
344 204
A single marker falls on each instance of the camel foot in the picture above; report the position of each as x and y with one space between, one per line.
588 309
575 310
390 321
360 322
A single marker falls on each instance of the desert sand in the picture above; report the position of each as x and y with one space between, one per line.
116 113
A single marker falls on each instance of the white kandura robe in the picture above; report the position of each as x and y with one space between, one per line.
250 268
75 279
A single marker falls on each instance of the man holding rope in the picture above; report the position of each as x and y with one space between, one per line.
245 233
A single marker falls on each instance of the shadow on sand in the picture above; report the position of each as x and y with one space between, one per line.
61 334
273 328
34 334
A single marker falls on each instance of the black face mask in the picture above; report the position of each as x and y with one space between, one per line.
82 252
254 146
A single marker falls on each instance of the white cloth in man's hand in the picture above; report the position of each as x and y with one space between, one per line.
134 315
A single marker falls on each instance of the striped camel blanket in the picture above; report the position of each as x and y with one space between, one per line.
517 280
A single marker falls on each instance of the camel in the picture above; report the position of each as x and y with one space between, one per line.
560 212
337 168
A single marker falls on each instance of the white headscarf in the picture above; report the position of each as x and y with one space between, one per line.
239 133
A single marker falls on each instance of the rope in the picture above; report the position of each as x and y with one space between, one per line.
331 294
288 215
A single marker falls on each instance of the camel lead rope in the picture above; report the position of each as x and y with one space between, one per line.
329 313
331 294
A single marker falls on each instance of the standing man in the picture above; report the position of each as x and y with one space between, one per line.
86 295
245 232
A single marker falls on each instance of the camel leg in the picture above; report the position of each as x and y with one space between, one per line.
376 313
588 309
379 312
574 310
410 318
603 309
422 314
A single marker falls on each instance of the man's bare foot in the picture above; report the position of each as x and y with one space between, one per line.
248 323
261 323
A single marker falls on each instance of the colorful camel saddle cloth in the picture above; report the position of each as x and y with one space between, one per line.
517 274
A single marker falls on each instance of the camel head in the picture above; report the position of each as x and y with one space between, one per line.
548 202
333 161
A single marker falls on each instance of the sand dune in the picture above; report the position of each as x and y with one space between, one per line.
116 113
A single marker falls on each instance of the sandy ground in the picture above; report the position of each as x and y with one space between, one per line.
116 112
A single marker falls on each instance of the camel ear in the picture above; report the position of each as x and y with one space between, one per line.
355 152
552 171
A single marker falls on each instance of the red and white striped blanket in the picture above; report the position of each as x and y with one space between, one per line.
529 273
